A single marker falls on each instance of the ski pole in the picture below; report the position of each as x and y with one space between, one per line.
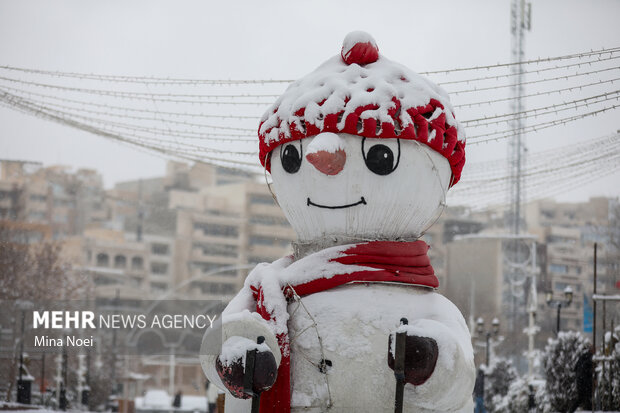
399 367
248 377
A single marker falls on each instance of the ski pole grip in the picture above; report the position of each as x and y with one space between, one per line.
248 376
399 367
399 352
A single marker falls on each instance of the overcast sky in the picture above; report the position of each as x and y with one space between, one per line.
281 40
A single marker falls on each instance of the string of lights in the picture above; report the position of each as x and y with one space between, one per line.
174 133
60 118
526 72
250 132
594 163
573 105
163 97
153 117
474 140
171 80
125 108
538 94
531 82
86 104
199 98
544 185
612 95
571 159
493 168
526 62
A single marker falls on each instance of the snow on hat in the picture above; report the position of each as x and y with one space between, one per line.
363 93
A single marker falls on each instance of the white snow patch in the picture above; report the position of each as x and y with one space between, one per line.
446 341
373 84
272 278
355 37
326 141
236 347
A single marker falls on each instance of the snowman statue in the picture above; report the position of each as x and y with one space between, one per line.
361 153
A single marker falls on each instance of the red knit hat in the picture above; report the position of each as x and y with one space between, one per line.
363 93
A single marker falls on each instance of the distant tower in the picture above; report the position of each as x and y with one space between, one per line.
520 19
520 13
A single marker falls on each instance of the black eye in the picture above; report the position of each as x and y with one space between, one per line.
380 159
291 158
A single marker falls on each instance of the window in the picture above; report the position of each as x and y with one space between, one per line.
37 198
259 240
558 268
137 263
219 230
103 280
218 288
120 261
159 249
36 216
221 250
60 218
102 260
213 268
261 199
560 286
267 220
262 240
159 268
256 260
159 288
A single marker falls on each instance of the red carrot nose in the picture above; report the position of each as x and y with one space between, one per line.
330 163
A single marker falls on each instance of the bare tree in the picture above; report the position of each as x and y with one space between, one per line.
31 268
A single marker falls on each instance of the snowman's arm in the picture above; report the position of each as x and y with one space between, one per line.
238 320
451 384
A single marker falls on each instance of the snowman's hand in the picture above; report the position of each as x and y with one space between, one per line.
230 366
420 357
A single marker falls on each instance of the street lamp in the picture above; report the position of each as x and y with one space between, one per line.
24 389
481 373
494 331
568 299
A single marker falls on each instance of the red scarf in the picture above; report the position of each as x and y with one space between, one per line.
394 262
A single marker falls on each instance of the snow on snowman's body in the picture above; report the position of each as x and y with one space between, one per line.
354 334
354 331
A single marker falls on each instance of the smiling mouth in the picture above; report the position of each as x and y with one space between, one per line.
362 201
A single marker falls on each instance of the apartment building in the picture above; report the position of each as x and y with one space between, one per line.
65 200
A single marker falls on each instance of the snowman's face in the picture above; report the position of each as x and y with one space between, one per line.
358 188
